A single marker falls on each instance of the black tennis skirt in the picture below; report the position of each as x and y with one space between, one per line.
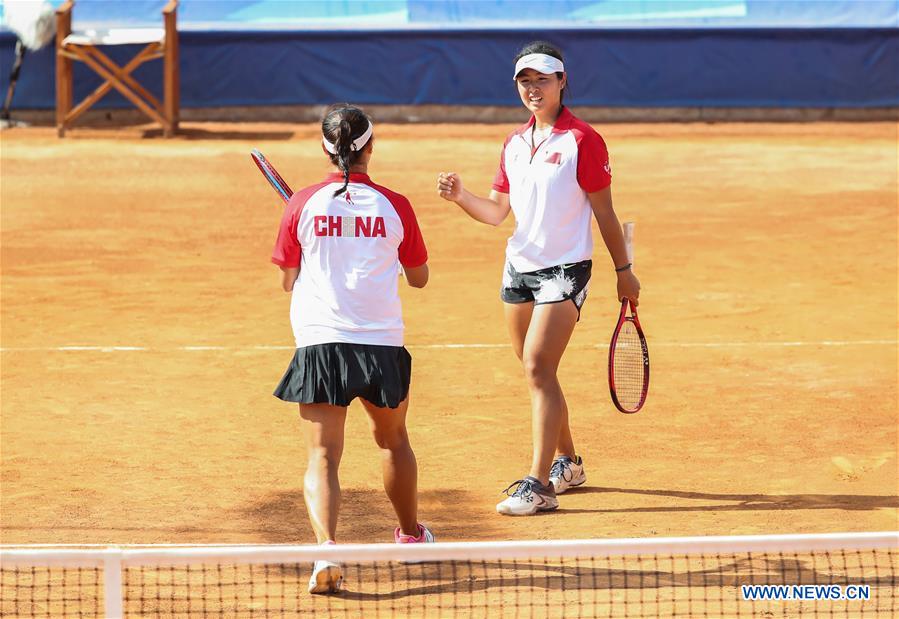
337 373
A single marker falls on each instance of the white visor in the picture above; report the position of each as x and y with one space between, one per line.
541 63
357 144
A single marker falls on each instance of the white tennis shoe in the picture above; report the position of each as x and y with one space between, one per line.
528 498
327 576
566 473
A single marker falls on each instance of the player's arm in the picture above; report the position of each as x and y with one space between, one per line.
492 210
417 276
289 277
610 228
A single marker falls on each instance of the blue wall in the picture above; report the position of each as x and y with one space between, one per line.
642 68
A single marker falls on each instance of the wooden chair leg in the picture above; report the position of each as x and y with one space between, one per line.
63 68
170 88
63 93
171 71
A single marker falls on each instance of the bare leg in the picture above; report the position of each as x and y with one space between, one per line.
565 444
398 465
548 334
518 319
321 487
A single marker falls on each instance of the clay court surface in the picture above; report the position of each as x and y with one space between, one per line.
768 260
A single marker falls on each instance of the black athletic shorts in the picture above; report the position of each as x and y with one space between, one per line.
550 285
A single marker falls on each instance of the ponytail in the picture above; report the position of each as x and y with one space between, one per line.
343 144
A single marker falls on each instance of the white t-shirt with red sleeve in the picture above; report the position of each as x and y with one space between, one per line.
548 187
349 249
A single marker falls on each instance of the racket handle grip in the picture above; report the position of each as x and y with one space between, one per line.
628 230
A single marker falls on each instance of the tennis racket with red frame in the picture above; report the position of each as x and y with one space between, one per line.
628 353
270 173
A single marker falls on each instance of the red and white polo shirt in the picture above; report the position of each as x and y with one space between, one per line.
548 187
351 247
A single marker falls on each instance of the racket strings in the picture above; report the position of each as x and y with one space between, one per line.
628 369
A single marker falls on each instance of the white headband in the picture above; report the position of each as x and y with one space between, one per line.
357 144
542 63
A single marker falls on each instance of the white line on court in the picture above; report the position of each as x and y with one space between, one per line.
775 344
652 343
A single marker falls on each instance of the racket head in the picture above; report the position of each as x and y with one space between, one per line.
271 174
628 362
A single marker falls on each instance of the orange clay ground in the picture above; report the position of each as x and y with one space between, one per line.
768 260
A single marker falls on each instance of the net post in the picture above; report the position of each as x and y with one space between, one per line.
112 583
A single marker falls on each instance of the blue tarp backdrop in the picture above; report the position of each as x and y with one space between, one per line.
628 53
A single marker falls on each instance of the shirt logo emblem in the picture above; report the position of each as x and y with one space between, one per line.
607 168
349 198
555 158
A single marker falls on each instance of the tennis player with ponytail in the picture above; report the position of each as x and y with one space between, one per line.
340 247
553 175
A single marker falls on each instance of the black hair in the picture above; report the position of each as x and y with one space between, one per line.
342 124
544 47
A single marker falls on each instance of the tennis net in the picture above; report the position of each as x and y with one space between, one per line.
809 575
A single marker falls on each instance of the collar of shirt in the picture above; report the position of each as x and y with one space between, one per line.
337 177
562 124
